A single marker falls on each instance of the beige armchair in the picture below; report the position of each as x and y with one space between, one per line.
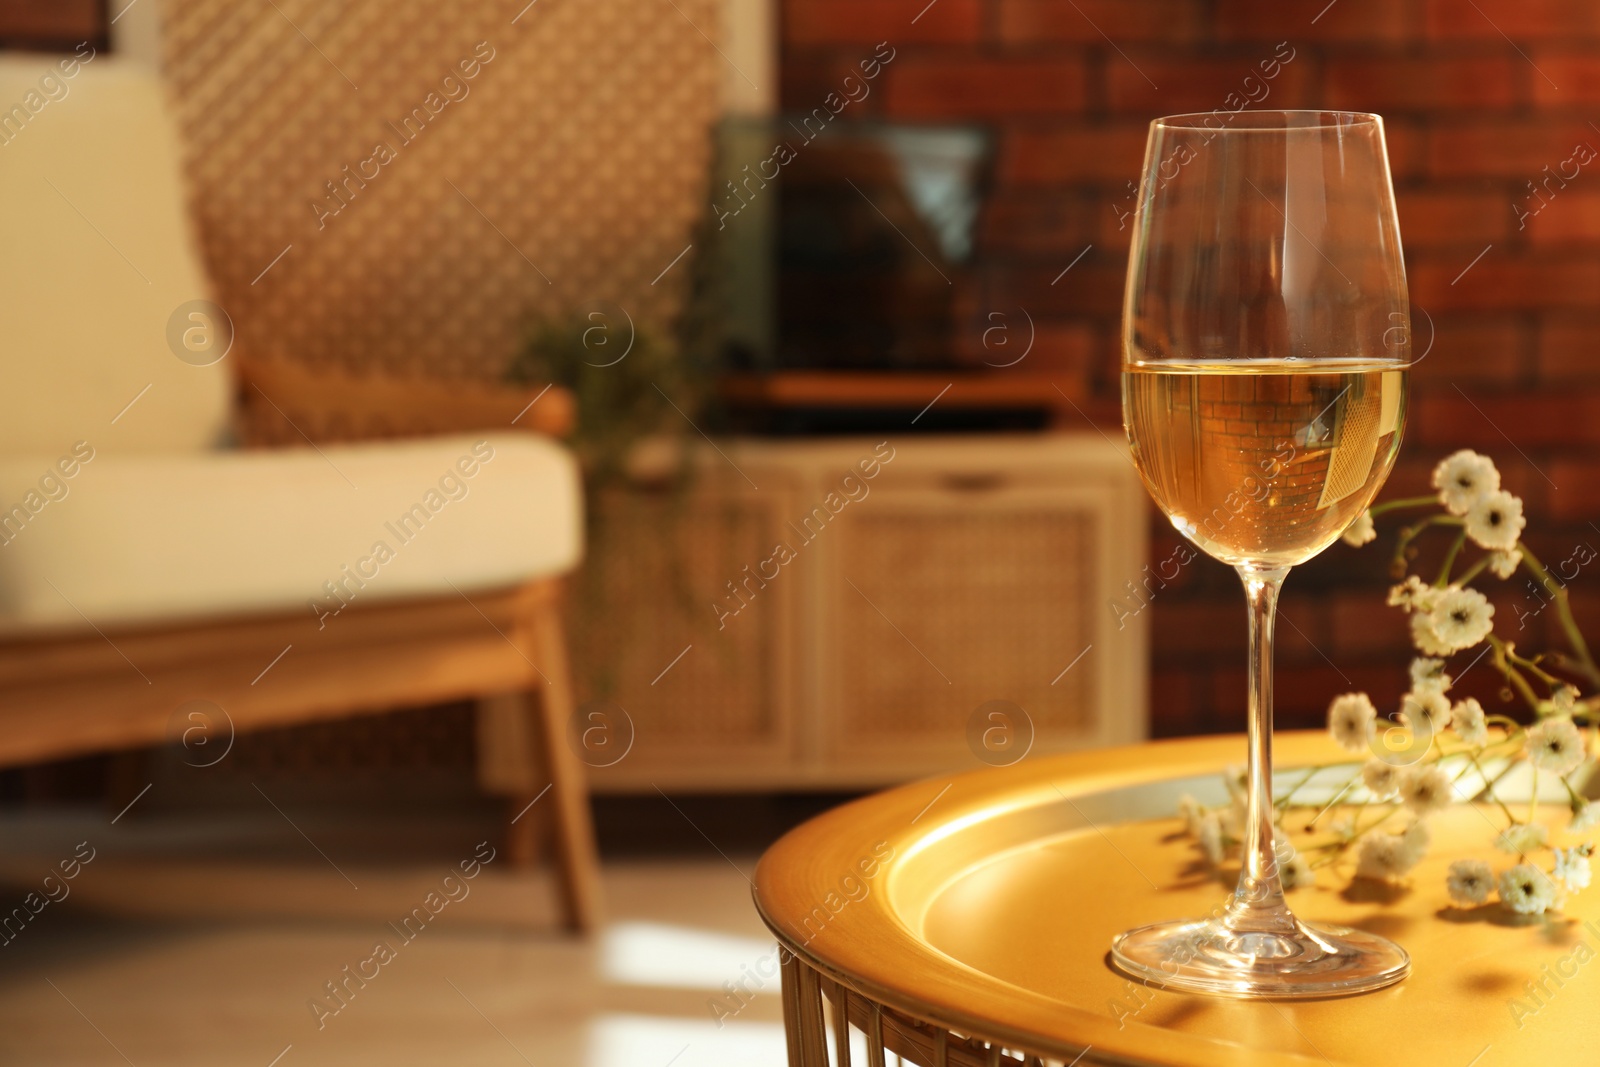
404 546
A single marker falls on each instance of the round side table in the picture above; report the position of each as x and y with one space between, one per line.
967 921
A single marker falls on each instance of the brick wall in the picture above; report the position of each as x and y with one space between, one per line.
1481 97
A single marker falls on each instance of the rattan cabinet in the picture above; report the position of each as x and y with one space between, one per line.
855 612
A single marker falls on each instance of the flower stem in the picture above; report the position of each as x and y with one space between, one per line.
1488 789
1395 505
1410 533
1354 778
1513 676
1585 665
1473 571
1283 801
1450 559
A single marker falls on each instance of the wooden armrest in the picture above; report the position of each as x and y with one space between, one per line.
282 403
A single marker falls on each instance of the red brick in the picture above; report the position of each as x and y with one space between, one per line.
1063 346
1505 281
997 336
1483 350
1567 79
867 22
1172 704
1205 629
968 87
1576 497
1495 20
1092 21
1301 694
1505 148
1412 84
1113 216
1302 635
1077 154
1156 85
1585 606
1432 218
1168 550
1362 622
1355 21
807 77
1567 349
1092 288
1505 422
1570 216
1035 222
1407 144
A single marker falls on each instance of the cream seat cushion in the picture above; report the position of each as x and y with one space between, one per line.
96 262
132 540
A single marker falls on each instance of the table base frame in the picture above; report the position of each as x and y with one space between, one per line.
820 1014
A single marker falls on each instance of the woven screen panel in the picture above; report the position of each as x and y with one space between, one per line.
661 559
356 209
954 609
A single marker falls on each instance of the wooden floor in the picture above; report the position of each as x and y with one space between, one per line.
206 942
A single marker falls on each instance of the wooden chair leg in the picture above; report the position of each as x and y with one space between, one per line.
510 764
577 856
524 823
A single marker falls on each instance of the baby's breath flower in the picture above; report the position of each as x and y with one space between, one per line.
1428 676
1383 856
1432 709
1381 779
1468 721
1296 873
1572 868
1460 619
1469 881
1235 817
1527 890
1350 720
1413 594
1495 521
1463 478
1415 840
1344 827
1555 745
1585 816
1564 698
1360 531
1210 835
1425 637
1522 838
1191 811
1425 789
1503 562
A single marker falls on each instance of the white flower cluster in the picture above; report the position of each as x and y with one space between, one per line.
1469 488
1449 618
1525 889
1425 710
1555 744
1445 618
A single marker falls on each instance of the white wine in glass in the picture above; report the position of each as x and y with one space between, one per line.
1265 348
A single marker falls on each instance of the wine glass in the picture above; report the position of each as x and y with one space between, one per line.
1265 343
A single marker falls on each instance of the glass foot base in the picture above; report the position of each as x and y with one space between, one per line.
1301 960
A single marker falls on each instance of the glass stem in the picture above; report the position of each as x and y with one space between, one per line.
1257 903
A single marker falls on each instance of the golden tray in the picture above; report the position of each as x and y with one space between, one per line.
967 921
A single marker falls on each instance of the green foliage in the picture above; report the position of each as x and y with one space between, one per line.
624 379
